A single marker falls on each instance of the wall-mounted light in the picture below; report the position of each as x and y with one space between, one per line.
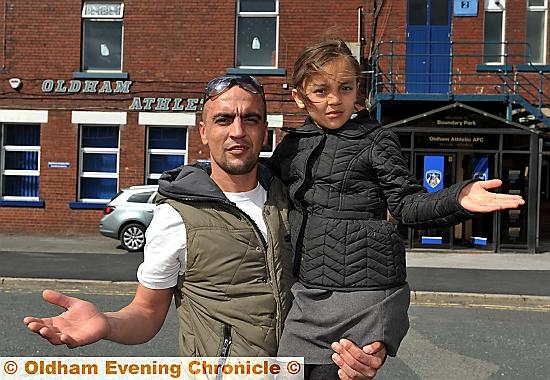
15 83
256 43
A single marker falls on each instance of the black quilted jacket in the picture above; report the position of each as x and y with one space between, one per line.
341 184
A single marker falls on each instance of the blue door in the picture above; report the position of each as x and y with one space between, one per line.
428 65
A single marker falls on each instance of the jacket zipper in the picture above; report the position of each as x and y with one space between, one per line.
226 344
224 349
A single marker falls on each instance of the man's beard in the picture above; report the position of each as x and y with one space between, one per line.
238 167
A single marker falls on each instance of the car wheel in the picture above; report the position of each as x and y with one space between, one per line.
132 237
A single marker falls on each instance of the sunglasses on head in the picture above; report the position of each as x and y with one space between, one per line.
221 84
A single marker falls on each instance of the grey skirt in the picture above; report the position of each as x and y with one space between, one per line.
319 317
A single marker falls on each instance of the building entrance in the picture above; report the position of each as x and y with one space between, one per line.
457 167
458 142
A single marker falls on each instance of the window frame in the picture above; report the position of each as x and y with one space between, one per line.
493 6
102 18
82 174
274 123
273 132
274 14
543 9
18 172
167 152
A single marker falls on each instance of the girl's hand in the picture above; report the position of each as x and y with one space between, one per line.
357 363
474 197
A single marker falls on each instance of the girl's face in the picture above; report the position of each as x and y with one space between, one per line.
332 93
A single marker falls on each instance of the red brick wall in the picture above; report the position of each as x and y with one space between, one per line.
169 50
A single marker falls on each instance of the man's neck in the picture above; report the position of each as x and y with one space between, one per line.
235 183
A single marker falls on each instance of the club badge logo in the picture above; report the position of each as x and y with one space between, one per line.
480 175
433 178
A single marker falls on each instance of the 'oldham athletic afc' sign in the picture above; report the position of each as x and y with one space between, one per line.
433 173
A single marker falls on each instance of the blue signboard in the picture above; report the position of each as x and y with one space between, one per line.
480 168
434 167
465 8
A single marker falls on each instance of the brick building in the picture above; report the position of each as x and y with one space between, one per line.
97 96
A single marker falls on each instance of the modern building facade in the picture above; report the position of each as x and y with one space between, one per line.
96 96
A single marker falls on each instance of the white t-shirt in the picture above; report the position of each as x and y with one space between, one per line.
165 253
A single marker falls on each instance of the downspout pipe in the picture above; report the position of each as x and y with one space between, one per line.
361 34
5 37
373 30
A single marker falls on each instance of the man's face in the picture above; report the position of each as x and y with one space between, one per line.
234 129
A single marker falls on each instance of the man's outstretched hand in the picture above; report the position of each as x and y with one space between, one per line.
475 197
357 363
80 324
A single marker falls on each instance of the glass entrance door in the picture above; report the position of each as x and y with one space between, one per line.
477 233
455 167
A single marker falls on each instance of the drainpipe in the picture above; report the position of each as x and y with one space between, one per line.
360 34
373 29
4 43
370 64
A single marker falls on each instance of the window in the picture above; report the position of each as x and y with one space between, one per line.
439 13
140 197
102 24
166 149
257 32
267 149
98 159
493 32
275 122
536 30
20 161
418 12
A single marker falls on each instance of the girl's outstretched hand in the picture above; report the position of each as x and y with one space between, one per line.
475 197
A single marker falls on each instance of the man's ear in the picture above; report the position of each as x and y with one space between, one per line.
297 99
202 132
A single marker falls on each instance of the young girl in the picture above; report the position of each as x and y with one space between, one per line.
344 172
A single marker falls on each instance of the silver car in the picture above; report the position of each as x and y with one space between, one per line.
127 216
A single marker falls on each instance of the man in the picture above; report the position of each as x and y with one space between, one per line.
219 244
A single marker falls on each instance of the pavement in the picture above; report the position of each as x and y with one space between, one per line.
506 279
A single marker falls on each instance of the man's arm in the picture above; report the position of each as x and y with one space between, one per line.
142 319
357 363
82 323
